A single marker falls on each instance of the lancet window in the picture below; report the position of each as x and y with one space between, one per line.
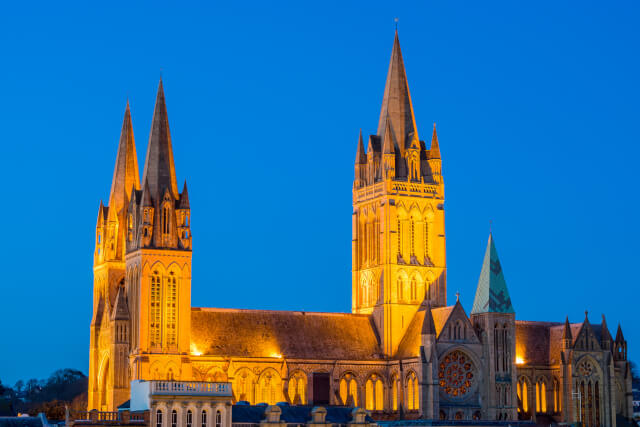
156 309
541 396
523 396
297 389
349 390
171 291
588 404
413 392
374 394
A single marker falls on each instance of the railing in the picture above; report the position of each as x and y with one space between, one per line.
190 388
380 188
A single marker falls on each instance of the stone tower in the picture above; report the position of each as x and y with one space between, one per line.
109 345
158 262
398 237
494 319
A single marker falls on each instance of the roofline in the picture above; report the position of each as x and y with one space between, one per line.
249 310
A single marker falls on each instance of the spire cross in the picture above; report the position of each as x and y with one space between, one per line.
457 296
396 21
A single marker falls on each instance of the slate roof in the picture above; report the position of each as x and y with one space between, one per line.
297 414
540 343
410 344
21 422
292 334
492 295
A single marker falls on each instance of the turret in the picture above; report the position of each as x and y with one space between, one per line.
620 346
360 179
435 163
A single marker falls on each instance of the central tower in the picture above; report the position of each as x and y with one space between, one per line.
398 237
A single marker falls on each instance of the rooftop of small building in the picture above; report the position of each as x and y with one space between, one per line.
291 414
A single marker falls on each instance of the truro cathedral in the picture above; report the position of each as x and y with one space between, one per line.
402 353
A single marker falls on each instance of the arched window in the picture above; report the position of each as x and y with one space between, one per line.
174 418
413 392
156 309
523 396
171 310
218 418
374 394
189 418
203 418
349 390
414 290
395 391
541 396
556 396
269 388
297 389
158 418
399 286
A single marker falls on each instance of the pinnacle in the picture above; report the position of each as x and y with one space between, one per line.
566 334
184 197
434 151
361 157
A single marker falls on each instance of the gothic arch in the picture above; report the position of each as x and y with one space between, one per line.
297 388
243 385
348 388
269 387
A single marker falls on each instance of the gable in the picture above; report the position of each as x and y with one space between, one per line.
457 327
586 339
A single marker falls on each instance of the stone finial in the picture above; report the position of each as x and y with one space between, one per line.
358 416
318 415
272 414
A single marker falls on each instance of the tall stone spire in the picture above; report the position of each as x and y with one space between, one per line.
492 295
159 169
396 103
125 173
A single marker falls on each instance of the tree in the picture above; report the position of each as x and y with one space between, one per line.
18 386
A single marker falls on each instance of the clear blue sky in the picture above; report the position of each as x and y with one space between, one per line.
537 111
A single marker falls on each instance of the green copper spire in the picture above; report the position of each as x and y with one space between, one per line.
492 295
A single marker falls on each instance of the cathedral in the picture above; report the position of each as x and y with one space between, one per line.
404 351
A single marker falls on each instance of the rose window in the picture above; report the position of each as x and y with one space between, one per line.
456 374
585 369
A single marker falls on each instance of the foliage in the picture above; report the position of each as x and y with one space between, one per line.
65 387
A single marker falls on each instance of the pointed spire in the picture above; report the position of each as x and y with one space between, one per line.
396 102
619 336
428 325
492 295
125 173
361 157
434 151
388 144
184 197
566 333
159 169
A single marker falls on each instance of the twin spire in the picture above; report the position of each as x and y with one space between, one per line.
159 168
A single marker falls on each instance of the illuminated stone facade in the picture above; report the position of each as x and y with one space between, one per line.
401 353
